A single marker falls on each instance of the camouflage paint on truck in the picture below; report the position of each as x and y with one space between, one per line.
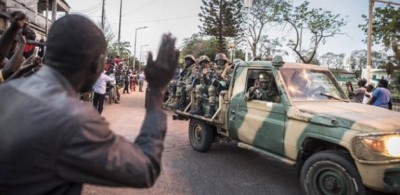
292 130
283 128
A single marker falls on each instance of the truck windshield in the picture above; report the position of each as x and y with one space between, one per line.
311 85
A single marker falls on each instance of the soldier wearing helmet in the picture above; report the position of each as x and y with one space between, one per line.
223 69
184 83
264 89
221 59
200 85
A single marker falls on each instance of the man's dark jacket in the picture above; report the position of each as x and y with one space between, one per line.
50 143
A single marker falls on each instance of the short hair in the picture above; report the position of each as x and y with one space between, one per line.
384 83
74 41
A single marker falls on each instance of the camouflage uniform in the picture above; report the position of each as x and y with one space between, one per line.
200 83
184 83
172 90
215 82
265 92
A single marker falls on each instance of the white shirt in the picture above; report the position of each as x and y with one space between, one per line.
114 82
366 99
101 83
141 77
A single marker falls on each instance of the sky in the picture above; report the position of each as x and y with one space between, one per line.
180 17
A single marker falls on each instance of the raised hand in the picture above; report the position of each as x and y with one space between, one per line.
159 72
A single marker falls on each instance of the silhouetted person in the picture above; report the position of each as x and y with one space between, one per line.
52 143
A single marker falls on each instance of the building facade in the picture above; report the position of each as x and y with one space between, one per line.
40 13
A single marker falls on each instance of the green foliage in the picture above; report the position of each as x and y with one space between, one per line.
270 47
386 30
333 61
385 25
263 14
221 18
123 48
321 24
198 45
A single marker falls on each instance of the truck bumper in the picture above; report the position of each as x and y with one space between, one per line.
381 177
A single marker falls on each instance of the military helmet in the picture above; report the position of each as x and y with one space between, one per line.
190 56
221 56
204 58
264 77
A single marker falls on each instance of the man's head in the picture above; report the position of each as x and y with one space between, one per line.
220 59
189 60
383 83
76 46
370 87
265 80
362 82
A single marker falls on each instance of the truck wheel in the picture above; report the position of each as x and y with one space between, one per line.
330 172
201 135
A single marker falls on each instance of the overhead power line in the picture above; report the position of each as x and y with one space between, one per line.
90 9
159 20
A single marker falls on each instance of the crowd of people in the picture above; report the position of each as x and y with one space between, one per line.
115 76
368 94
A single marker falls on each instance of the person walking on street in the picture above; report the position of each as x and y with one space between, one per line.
61 143
134 81
381 96
126 82
99 89
141 81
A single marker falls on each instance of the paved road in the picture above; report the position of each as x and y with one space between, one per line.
224 169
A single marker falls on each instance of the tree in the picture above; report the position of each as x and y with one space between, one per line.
221 18
263 13
333 61
322 24
123 48
108 33
386 30
198 45
358 60
270 47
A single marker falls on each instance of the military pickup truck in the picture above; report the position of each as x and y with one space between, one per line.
338 147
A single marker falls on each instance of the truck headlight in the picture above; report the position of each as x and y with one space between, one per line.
387 145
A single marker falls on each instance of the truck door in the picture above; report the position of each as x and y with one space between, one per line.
260 121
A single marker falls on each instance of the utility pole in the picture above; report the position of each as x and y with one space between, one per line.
119 28
47 17
103 14
134 47
369 56
54 10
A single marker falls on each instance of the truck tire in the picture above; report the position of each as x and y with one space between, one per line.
330 172
201 135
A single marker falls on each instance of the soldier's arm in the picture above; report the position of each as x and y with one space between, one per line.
250 94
